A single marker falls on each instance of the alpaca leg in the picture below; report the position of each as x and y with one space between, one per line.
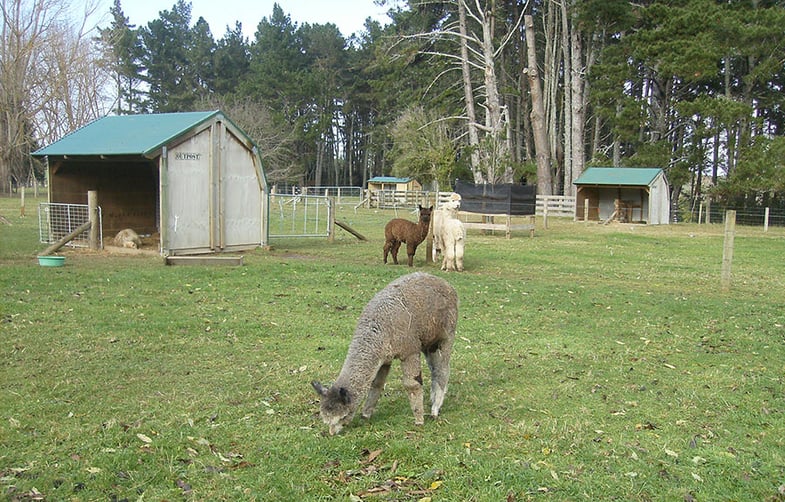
448 253
394 250
376 390
459 247
439 364
412 382
449 257
387 246
410 250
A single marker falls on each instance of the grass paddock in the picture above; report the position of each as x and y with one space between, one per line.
592 362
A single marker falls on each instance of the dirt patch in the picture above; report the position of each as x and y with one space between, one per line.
143 251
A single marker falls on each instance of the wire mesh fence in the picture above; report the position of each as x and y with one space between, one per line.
300 216
342 195
56 220
752 216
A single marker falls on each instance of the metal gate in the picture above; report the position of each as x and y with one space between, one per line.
300 216
56 220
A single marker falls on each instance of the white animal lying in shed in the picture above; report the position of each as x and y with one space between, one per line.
413 314
127 238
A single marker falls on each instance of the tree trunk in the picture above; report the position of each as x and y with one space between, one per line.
541 146
468 96
578 150
495 119
570 76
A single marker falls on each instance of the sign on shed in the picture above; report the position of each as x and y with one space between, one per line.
194 178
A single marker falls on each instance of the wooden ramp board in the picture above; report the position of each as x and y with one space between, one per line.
236 261
350 230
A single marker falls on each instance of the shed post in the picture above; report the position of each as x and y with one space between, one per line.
92 211
163 195
586 210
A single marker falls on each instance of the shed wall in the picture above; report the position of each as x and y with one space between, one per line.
660 210
242 204
213 194
188 216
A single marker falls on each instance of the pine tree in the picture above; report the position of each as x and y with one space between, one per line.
123 51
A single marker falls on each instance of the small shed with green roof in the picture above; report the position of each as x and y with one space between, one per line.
393 183
625 194
195 178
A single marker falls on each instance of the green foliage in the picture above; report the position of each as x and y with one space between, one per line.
599 362
691 74
231 61
177 59
685 73
123 51
759 178
276 64
422 148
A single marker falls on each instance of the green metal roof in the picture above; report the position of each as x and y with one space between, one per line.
389 179
618 176
126 134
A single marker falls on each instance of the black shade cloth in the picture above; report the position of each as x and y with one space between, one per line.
517 200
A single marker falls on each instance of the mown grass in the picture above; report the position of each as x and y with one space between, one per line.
593 362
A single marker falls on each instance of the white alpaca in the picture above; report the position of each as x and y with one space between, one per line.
449 234
127 238
453 240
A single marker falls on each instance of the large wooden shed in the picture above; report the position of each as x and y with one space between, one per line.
195 178
623 194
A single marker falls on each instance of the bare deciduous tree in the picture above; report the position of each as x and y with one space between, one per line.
50 82
475 40
541 144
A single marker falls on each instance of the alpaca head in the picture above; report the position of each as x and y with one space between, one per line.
337 406
425 214
452 205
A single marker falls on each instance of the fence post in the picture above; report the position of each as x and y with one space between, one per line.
586 210
92 212
727 248
708 211
330 220
22 202
766 220
545 213
700 212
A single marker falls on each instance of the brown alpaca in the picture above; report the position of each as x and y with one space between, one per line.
399 230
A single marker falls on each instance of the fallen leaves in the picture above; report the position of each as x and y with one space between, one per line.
422 486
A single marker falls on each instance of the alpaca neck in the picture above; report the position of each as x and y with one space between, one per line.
360 369
422 229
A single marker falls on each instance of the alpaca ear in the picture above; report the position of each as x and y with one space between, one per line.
319 388
346 398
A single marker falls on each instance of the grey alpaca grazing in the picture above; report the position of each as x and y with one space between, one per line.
399 230
413 314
